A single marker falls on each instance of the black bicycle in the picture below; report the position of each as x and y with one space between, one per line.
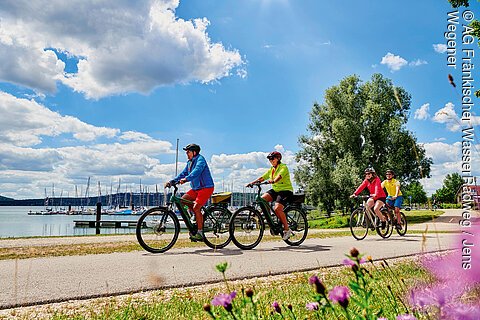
158 228
389 212
247 224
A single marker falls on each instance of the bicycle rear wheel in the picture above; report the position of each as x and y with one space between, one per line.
358 224
246 228
385 232
157 230
297 222
215 227
403 230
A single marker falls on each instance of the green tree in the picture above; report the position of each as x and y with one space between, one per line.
451 185
358 125
459 3
416 191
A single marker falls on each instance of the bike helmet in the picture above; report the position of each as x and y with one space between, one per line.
192 147
391 172
274 154
369 170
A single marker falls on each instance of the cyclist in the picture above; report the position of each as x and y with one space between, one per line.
198 174
282 189
377 195
395 198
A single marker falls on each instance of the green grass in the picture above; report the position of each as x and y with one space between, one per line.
292 289
315 219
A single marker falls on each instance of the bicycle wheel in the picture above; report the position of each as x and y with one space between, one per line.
297 222
246 228
403 230
385 232
358 224
157 230
215 227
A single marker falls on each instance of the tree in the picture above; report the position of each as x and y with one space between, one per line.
358 125
416 191
459 3
451 185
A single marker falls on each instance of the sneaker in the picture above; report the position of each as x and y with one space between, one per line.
287 234
197 237
383 225
398 226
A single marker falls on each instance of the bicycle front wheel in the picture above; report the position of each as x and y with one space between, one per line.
297 222
403 225
246 228
215 227
358 224
157 230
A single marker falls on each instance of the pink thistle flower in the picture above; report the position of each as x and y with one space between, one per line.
340 295
406 317
224 300
349 262
276 307
312 306
319 287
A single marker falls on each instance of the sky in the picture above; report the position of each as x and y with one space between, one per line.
103 89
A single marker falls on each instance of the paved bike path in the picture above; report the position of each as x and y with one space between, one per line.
41 280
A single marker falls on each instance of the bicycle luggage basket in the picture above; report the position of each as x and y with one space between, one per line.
221 198
298 198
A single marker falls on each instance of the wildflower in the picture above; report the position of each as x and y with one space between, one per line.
340 294
406 317
206 307
319 287
222 267
224 300
369 258
382 318
276 307
249 292
349 262
354 252
312 306
290 307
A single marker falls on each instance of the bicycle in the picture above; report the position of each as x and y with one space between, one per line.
363 218
158 228
389 212
247 224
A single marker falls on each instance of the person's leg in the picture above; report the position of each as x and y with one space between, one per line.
398 205
281 215
202 197
378 205
190 196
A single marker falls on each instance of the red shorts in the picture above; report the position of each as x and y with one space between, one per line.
201 196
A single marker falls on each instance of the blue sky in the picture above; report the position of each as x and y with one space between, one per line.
104 89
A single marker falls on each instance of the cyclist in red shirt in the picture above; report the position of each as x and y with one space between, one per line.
377 195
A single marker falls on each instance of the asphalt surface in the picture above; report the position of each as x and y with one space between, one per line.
44 280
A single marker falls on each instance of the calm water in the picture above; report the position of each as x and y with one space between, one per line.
15 222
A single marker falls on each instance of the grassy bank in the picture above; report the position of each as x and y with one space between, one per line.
317 219
286 290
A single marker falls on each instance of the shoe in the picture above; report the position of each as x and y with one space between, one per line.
287 234
383 225
398 226
197 237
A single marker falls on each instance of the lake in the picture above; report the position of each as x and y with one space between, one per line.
15 222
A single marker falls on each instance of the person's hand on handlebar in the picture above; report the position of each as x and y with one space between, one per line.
167 184
182 181
353 196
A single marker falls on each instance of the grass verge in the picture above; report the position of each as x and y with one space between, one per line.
187 303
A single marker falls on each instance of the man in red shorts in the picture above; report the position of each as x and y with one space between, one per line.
198 174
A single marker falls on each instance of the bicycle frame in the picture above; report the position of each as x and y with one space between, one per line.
369 212
267 210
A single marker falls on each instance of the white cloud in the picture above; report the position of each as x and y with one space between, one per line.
448 116
393 62
25 122
422 112
440 48
417 63
122 46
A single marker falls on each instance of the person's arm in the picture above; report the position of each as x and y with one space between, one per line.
360 188
397 189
